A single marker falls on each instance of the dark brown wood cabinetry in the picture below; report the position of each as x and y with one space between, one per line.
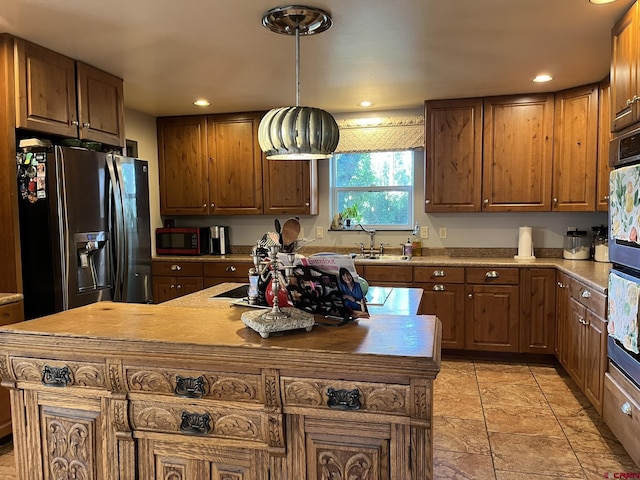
173 279
625 91
223 272
604 139
212 165
60 96
453 174
9 313
562 318
538 303
575 155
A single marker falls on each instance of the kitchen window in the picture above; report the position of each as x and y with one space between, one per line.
379 184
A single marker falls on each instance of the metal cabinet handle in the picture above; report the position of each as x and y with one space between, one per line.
470 295
306 204
561 285
606 197
172 286
555 201
86 125
204 206
439 288
189 387
213 205
427 202
439 273
492 274
195 423
585 294
343 399
175 268
75 123
231 269
626 408
179 286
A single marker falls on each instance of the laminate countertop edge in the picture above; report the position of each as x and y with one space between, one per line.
7 298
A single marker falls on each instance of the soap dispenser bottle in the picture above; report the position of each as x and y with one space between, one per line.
407 249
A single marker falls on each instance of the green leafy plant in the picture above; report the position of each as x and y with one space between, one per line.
350 212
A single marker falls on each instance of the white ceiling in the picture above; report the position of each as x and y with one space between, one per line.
396 53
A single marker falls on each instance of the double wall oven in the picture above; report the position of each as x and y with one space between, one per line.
624 253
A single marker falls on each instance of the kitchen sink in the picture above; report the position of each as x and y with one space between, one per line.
383 257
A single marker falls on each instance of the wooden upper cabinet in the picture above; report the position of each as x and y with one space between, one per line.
100 106
575 153
604 139
290 187
625 94
45 90
59 96
453 169
517 153
182 158
235 164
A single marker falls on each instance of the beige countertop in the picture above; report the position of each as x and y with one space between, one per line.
6 298
594 274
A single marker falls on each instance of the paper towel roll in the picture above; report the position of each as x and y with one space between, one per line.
525 243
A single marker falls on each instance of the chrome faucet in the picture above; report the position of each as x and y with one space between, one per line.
372 249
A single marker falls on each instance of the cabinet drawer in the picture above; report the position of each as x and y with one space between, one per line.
228 270
195 384
621 411
202 418
58 373
11 313
590 298
177 269
344 395
489 275
387 274
438 274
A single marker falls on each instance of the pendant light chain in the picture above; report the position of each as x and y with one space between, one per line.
297 64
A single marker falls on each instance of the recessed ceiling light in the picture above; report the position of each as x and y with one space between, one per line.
365 103
599 2
543 78
202 103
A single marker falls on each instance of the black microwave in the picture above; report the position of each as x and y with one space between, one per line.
183 241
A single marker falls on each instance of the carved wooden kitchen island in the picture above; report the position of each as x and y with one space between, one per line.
122 391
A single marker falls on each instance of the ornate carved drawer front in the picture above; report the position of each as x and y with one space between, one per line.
195 384
368 397
54 373
204 419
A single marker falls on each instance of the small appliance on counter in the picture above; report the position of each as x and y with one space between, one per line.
182 241
576 245
220 244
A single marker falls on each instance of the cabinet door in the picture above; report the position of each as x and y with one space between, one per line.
9 313
492 318
164 288
446 301
235 165
517 153
290 187
453 170
576 342
624 51
562 319
575 149
100 105
537 323
604 139
46 91
595 358
382 275
187 285
182 158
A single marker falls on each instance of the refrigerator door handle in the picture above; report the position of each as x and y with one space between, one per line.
116 214
63 223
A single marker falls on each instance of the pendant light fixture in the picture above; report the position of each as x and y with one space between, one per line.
297 133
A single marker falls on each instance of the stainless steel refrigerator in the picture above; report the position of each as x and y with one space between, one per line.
84 229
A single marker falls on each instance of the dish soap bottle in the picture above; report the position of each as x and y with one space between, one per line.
407 249
416 242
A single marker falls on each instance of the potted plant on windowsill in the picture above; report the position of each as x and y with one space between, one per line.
350 213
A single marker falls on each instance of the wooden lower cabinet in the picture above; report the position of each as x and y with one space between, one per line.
173 279
538 302
223 272
9 313
562 319
492 309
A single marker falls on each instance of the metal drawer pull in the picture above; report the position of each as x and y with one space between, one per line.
343 399
492 274
176 268
189 387
561 285
56 376
626 408
439 273
586 294
231 269
439 288
195 423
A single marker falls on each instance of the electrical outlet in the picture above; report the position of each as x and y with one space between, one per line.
443 232
319 232
424 232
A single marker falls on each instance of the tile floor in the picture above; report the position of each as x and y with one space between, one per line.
499 421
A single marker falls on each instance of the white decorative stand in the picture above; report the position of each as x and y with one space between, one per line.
277 319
